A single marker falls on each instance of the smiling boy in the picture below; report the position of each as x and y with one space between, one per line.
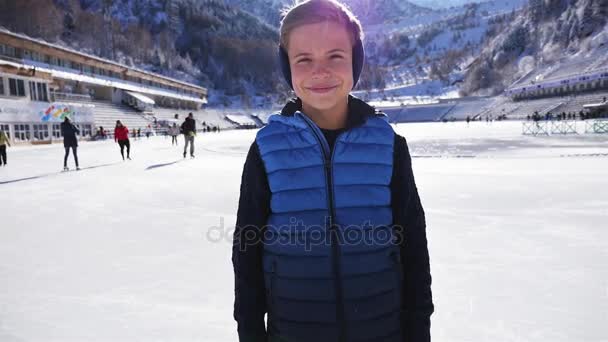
330 237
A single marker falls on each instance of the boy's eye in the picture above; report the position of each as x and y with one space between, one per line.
336 57
303 60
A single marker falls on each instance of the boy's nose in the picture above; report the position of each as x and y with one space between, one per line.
320 70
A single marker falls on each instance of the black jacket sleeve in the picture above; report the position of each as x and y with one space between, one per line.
408 216
252 215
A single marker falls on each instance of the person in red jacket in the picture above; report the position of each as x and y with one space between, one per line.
121 135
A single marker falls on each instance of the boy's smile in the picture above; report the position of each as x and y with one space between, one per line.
320 57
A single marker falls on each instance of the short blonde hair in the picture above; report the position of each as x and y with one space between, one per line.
318 11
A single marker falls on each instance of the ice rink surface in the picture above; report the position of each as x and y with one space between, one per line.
140 250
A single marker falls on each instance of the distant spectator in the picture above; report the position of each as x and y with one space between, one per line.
3 143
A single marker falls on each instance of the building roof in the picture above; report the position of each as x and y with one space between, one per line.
240 119
106 81
141 97
100 59
596 105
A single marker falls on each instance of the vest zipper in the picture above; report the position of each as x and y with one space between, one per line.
334 234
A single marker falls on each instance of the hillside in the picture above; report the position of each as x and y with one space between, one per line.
546 37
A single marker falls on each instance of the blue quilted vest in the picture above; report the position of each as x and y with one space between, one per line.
331 265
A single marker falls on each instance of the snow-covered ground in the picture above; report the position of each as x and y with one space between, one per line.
140 250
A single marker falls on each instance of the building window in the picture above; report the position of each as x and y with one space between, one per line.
10 51
6 130
57 131
45 93
16 87
22 132
38 91
1 86
32 90
65 63
12 86
20 88
37 57
41 131
85 130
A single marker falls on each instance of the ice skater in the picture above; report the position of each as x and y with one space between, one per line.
121 136
148 131
189 131
70 141
4 141
174 132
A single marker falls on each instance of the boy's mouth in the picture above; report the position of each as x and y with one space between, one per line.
321 89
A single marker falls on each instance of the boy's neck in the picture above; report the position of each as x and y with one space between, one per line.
332 119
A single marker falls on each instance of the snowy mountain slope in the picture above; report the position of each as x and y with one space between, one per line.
439 49
269 11
546 39
207 41
372 12
199 41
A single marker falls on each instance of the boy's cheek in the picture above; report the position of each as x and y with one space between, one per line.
344 70
300 71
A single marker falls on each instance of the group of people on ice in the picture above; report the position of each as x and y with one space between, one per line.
121 137
70 133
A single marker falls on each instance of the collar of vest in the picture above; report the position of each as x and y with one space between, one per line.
358 111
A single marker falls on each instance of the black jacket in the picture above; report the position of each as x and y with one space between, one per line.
189 125
253 211
69 131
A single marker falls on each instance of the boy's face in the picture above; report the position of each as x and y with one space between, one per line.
320 56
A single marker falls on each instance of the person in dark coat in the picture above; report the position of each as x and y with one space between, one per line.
70 141
189 130
330 239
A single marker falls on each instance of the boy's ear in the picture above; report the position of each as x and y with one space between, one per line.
358 60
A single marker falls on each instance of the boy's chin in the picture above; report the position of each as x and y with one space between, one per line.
323 104
324 101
